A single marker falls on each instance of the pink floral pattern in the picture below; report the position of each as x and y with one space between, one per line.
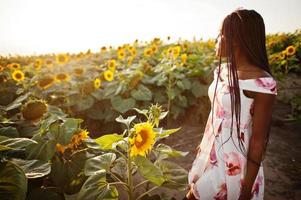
213 159
267 83
256 186
233 163
222 193
223 167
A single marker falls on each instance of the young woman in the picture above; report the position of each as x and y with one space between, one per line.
229 160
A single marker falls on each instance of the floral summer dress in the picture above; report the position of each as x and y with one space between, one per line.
218 170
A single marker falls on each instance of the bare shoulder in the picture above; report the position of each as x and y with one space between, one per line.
252 72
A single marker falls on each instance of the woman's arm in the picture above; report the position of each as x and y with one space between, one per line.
263 107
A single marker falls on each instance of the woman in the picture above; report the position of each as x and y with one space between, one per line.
229 161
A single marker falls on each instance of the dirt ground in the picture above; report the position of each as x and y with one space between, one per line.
282 164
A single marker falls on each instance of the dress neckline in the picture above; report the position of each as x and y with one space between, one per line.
256 78
240 80
249 79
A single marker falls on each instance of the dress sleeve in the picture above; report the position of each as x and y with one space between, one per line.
263 85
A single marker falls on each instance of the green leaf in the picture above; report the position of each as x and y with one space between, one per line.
165 133
85 103
9 132
96 187
198 89
143 112
43 150
122 105
182 101
163 115
175 175
120 167
17 102
126 121
165 151
97 163
160 96
13 182
142 93
63 132
108 140
186 83
17 143
33 168
65 171
149 171
4 148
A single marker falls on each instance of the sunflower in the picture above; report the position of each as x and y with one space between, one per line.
185 46
169 51
184 57
133 52
130 48
282 55
1 68
62 58
130 60
176 51
108 75
59 148
135 80
136 42
78 71
290 50
142 140
157 41
62 77
103 49
154 48
147 52
88 87
18 75
34 110
97 83
121 54
37 64
45 82
49 62
77 139
79 56
112 64
14 66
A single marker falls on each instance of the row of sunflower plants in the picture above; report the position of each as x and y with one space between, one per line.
284 50
100 86
46 154
89 85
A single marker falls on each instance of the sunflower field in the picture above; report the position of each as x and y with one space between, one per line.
91 125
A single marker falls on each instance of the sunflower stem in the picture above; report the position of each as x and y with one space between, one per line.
130 181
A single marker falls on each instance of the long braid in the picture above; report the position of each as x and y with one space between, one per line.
247 28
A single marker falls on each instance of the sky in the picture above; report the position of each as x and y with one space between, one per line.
32 27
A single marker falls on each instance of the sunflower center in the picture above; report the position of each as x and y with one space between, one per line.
18 76
141 138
